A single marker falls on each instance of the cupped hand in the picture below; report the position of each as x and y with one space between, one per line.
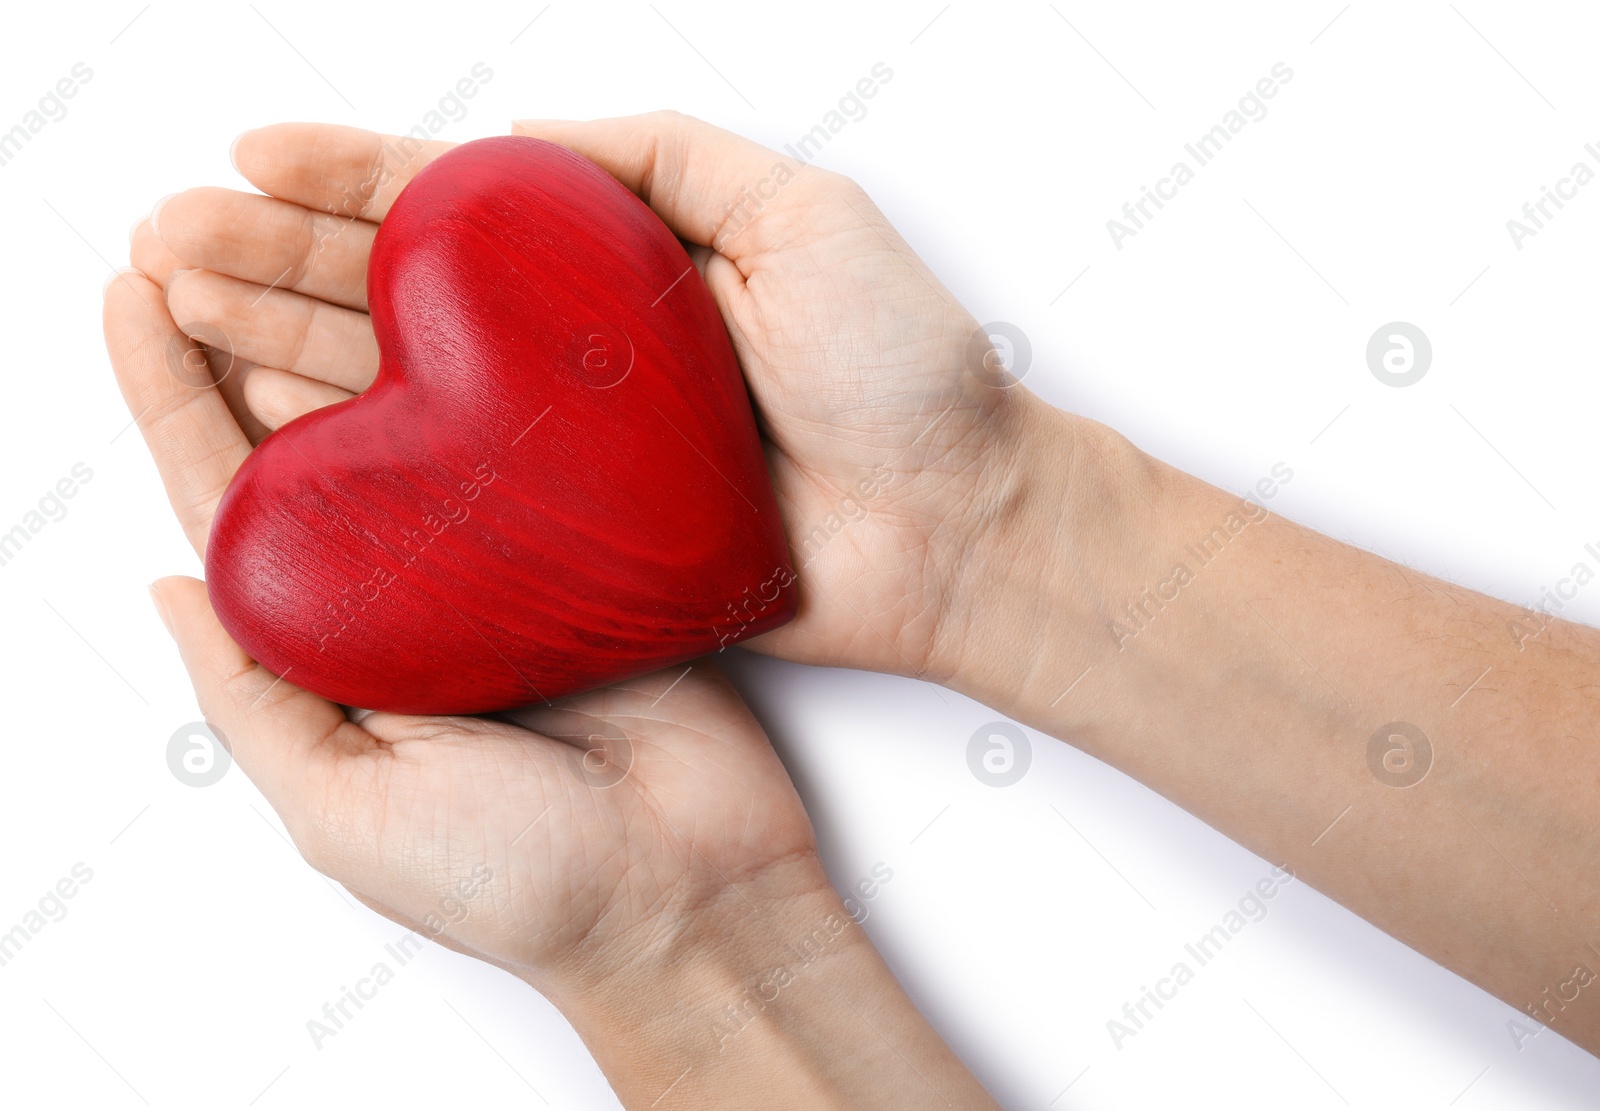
890 433
889 424
605 833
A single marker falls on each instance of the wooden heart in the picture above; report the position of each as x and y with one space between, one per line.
554 483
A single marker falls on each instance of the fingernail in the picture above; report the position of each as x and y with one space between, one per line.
155 214
126 270
534 125
233 149
134 230
161 609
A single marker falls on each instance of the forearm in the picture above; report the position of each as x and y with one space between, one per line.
771 1001
1242 665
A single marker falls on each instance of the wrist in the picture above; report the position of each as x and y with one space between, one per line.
1066 614
1064 519
769 995
695 938
677 992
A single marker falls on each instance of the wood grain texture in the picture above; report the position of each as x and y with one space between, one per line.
554 483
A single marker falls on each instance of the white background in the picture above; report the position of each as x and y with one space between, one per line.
1226 336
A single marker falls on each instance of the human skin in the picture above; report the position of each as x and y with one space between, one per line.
669 897
1005 539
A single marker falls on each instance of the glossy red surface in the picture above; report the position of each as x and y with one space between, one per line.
554 483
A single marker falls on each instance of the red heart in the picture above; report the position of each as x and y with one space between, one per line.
554 483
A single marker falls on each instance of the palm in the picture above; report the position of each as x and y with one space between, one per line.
576 833
857 360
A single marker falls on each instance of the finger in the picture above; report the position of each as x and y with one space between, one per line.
196 443
708 185
277 397
208 359
268 241
230 373
202 365
279 328
345 171
150 255
726 283
286 739
700 255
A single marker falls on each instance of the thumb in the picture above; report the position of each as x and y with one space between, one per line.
705 183
285 738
